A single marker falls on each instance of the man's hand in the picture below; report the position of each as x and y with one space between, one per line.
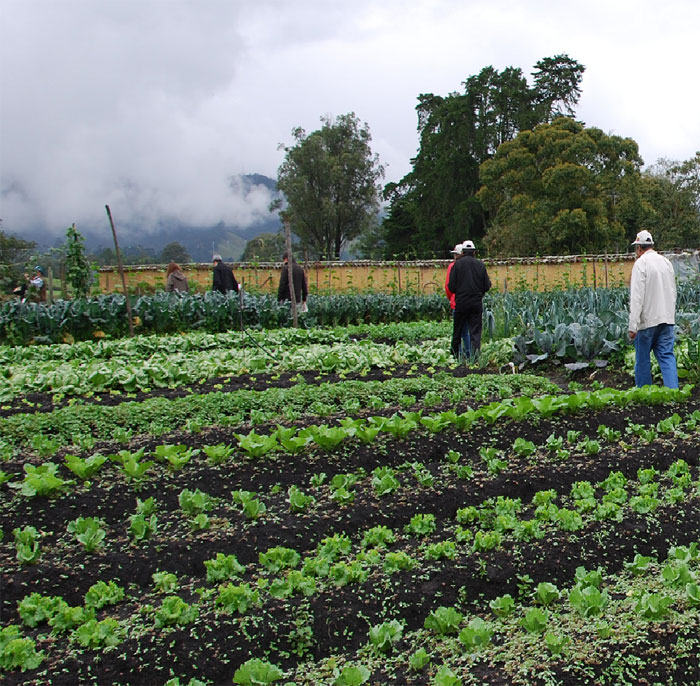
633 335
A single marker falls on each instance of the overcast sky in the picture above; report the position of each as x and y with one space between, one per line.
151 106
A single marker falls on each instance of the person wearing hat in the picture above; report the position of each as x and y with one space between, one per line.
652 312
223 278
469 281
456 254
37 284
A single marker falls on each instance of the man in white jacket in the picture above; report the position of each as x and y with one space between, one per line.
652 312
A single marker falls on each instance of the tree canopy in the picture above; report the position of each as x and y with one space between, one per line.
672 190
435 205
175 252
267 247
329 179
561 188
14 254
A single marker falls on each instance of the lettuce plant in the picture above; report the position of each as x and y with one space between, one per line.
236 598
165 582
101 594
27 544
535 621
476 634
352 675
94 634
88 531
36 608
444 621
18 652
41 480
421 525
174 611
84 468
279 557
223 568
383 637
256 672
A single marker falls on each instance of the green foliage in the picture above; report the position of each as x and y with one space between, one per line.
278 558
223 568
384 637
436 204
238 598
16 651
477 634
94 634
256 672
195 502
41 480
165 582
27 544
88 531
36 608
329 179
535 620
174 611
352 675
444 621
560 188
79 270
84 468
103 593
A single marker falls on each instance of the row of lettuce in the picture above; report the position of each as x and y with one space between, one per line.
575 324
551 617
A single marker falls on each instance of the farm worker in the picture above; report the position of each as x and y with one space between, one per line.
175 280
37 283
456 254
224 280
298 281
469 281
652 312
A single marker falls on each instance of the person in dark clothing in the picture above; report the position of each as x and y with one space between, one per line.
224 280
298 279
469 281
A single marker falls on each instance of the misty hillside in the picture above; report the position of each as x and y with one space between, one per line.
227 239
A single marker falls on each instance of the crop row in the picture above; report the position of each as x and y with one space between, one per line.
82 425
285 573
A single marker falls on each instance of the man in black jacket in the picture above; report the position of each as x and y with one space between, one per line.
469 281
224 280
298 279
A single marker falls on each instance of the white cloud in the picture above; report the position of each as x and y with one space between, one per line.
151 106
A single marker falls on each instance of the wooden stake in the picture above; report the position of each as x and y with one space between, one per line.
121 272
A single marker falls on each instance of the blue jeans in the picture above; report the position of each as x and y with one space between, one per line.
660 340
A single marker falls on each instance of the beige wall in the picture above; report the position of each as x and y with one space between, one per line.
394 277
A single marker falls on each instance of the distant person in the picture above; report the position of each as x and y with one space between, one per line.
224 280
36 285
466 341
469 281
652 312
298 281
175 280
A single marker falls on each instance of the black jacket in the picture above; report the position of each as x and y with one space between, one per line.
299 280
224 280
469 281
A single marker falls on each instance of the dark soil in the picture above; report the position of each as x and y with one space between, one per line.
216 644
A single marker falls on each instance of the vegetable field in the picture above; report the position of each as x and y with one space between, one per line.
348 505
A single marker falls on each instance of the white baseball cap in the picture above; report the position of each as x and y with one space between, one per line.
643 238
457 250
468 245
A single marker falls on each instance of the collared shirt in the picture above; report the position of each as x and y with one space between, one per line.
652 292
